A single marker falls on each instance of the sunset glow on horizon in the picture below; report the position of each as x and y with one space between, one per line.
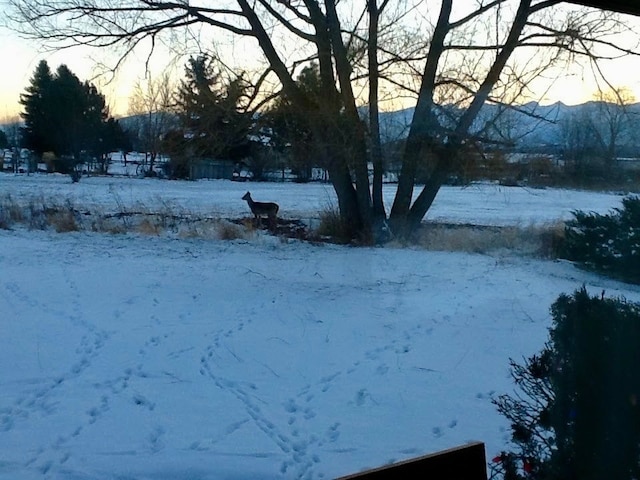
21 56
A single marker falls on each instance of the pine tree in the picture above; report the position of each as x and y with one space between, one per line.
68 112
211 111
37 114
65 116
596 416
290 128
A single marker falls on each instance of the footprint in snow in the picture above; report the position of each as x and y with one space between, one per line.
155 439
142 401
410 451
333 433
361 397
290 406
382 369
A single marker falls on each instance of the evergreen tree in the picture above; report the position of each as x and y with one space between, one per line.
576 414
115 137
66 116
211 111
38 109
69 104
290 128
595 415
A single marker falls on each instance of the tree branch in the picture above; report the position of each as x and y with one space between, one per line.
476 13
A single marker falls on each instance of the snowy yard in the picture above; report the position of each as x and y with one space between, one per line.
143 357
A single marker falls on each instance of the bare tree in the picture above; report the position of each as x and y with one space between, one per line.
612 120
12 126
151 105
579 145
12 132
593 135
465 58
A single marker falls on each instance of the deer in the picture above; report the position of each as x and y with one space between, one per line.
262 209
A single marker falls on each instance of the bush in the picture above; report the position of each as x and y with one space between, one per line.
596 381
529 414
608 244
576 414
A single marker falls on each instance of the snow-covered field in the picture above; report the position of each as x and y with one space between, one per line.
482 204
143 357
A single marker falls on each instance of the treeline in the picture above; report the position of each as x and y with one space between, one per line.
68 118
207 115
212 114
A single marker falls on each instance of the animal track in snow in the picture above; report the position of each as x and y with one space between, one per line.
289 437
143 401
155 439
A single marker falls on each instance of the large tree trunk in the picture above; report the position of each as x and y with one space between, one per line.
424 129
405 219
355 146
445 158
341 160
350 214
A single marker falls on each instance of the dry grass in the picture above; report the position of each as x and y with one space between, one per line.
332 226
215 229
534 240
541 241
10 212
102 224
230 231
62 220
147 226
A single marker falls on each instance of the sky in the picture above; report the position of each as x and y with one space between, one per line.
572 87
24 55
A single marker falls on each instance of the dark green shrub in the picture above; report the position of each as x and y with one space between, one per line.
529 413
608 244
576 413
596 381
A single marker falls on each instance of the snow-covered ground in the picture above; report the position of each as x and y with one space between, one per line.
143 357
482 204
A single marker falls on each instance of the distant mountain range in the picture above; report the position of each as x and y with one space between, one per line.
529 126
